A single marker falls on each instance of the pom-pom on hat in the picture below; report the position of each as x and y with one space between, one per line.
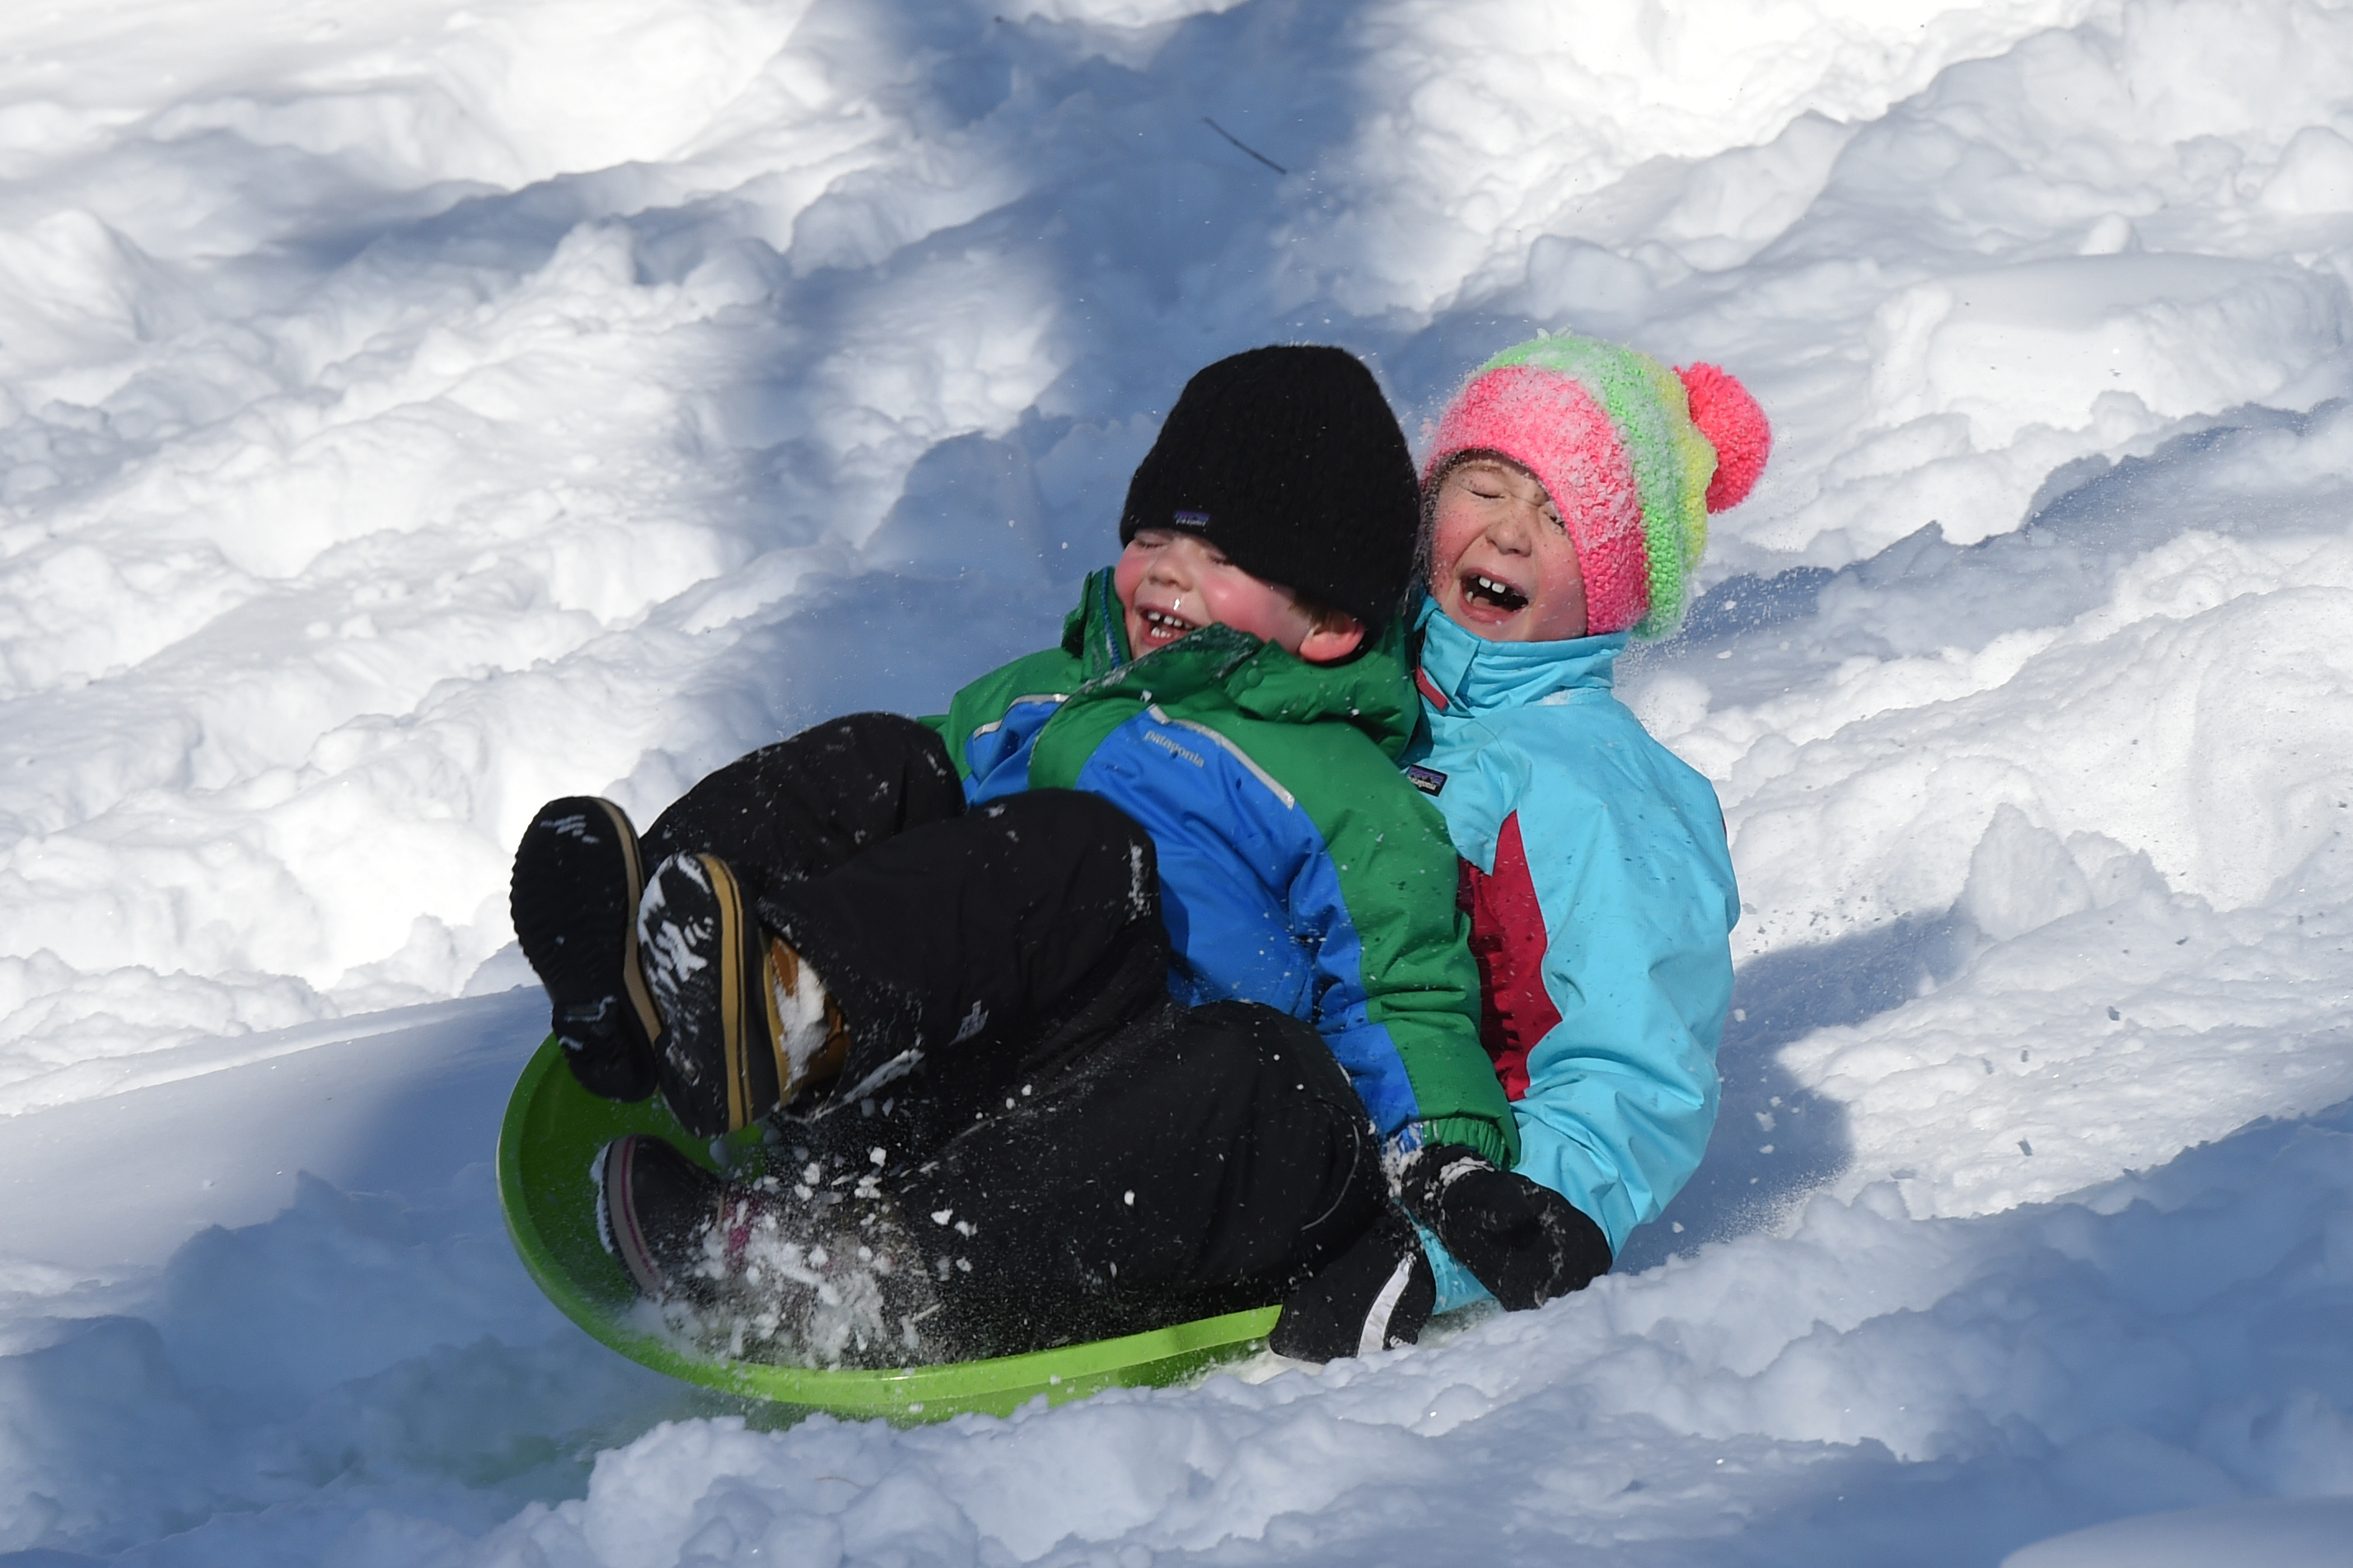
1633 456
1290 461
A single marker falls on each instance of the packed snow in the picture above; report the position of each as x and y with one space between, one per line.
412 411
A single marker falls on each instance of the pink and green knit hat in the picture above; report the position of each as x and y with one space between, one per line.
1632 454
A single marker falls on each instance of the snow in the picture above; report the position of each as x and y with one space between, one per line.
2288 1534
409 413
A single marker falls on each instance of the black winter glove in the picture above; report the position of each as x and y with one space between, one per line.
1526 1243
1373 1297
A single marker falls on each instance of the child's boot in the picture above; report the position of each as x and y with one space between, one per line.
749 1026
654 1206
574 899
798 1274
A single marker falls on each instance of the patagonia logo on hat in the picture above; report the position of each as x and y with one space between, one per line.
1192 519
1429 780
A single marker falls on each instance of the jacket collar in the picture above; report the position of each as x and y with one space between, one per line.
1461 672
1095 633
1370 691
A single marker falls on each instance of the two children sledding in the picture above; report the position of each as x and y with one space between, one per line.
1274 939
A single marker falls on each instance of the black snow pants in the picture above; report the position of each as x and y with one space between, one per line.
1077 1155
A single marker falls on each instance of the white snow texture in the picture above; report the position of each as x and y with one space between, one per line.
412 411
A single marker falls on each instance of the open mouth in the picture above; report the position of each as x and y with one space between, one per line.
1487 591
1160 627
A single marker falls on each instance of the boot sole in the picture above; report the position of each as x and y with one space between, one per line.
620 1225
570 895
718 1050
616 1216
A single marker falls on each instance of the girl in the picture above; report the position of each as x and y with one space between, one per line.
1564 502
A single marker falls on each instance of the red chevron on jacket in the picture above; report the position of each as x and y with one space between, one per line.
1507 938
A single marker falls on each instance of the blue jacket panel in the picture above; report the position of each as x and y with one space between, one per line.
1625 847
1251 895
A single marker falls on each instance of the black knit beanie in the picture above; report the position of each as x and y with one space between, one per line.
1288 461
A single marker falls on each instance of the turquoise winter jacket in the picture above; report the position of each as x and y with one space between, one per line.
1601 898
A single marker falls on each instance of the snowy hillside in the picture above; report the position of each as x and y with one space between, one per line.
411 411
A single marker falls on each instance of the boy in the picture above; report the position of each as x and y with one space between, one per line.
1081 1013
1567 496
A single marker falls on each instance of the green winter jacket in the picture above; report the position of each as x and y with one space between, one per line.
1298 866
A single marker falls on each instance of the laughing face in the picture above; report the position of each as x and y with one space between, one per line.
1501 563
1170 582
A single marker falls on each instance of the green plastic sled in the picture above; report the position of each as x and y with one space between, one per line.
552 1130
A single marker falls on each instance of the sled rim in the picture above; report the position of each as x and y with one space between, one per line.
547 1141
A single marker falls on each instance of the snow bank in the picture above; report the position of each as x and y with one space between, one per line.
1868 1387
1490 122
343 530
408 416
2288 1534
2042 1365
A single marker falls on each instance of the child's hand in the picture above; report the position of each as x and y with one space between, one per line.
1526 1243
